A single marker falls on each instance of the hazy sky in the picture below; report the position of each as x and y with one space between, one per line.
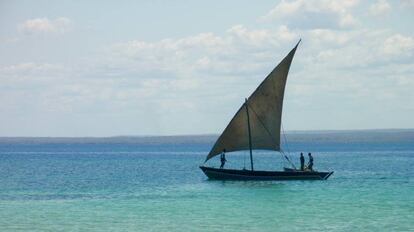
101 68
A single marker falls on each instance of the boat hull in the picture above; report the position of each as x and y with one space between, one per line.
233 174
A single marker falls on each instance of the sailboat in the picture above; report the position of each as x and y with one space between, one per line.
257 126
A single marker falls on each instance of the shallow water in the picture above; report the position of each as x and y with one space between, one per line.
119 187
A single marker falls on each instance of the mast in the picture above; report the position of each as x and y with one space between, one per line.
250 136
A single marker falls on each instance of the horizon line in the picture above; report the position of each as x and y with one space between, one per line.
216 134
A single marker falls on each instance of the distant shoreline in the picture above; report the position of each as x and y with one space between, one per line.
371 135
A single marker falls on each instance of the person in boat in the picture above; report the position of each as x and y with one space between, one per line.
302 162
310 164
223 158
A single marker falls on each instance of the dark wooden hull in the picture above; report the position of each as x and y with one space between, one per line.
233 174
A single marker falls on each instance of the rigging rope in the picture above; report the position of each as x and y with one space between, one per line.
271 136
287 145
244 161
284 136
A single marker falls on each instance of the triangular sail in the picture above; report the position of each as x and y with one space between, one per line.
265 112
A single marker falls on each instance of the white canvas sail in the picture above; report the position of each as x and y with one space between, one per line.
265 114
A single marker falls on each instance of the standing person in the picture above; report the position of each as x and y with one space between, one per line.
302 161
310 164
223 158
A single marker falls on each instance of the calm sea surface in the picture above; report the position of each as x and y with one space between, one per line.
132 187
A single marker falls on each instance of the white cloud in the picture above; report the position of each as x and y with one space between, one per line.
347 20
399 45
243 52
45 25
232 53
314 13
380 8
360 49
329 38
30 67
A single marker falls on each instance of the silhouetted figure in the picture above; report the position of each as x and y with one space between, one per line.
223 158
302 162
310 164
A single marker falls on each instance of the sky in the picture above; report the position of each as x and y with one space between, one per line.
108 68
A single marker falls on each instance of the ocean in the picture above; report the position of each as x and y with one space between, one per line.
136 184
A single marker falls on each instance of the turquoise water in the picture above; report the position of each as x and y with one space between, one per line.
120 187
